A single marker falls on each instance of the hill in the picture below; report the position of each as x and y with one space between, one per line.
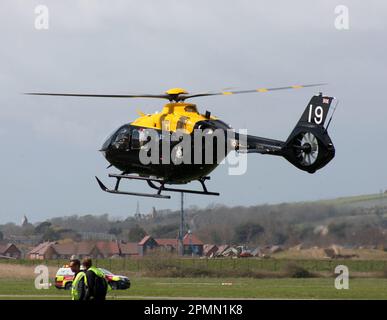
349 221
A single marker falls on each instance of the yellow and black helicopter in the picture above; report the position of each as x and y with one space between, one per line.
308 146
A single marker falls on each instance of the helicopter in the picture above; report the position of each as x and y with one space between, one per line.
308 147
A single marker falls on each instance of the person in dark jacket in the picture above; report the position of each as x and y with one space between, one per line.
78 287
96 284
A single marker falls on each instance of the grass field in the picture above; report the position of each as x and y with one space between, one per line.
274 265
163 288
267 279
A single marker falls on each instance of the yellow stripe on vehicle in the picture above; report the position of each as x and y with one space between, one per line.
226 93
262 90
296 87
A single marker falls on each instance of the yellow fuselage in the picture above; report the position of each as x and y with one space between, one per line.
174 116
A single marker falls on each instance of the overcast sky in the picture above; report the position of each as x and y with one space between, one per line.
49 145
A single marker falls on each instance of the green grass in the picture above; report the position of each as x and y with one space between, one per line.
316 288
250 264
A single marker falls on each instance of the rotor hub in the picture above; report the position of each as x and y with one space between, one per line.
176 91
307 148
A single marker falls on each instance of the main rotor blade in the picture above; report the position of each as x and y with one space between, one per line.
251 90
157 96
172 96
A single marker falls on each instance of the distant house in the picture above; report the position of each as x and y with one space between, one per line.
128 249
43 251
79 249
168 245
108 248
63 250
146 245
55 250
192 245
9 250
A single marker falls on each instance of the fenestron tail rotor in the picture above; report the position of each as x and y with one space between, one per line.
174 94
309 152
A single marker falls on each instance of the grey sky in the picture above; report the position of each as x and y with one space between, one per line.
49 144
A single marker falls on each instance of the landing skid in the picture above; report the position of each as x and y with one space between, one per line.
152 183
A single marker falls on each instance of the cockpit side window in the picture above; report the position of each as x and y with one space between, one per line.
140 137
122 140
135 139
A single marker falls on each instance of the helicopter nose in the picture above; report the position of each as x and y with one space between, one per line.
106 145
103 152
104 148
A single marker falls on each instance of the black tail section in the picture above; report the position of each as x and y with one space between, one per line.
309 146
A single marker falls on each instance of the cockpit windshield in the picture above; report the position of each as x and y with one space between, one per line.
128 138
108 140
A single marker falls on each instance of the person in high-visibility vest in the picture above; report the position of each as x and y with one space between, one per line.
78 286
96 283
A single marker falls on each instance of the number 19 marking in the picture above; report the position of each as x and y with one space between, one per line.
318 114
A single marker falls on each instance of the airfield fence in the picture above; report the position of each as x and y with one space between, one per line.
145 264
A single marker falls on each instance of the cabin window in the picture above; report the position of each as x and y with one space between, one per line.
181 123
166 125
190 109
